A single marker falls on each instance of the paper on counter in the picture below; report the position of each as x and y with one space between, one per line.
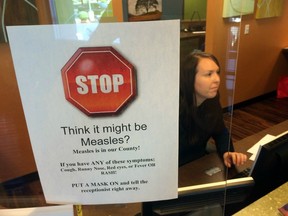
266 139
254 149
62 210
282 134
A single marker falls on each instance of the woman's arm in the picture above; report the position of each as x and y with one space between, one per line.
225 147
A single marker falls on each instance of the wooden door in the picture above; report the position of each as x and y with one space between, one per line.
16 156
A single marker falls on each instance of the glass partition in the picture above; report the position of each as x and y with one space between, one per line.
204 185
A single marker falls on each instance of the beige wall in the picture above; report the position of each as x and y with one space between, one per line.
260 61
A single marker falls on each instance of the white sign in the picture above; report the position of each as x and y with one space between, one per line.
127 157
66 210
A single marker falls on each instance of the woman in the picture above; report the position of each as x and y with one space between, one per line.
201 115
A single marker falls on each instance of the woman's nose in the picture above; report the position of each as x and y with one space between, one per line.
216 77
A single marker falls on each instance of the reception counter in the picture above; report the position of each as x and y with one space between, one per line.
267 205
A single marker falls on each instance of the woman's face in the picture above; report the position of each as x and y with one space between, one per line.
207 80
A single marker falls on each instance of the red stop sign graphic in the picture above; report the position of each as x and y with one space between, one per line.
98 80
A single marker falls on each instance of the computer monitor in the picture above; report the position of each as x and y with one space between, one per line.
270 169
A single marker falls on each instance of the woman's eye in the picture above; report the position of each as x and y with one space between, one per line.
209 74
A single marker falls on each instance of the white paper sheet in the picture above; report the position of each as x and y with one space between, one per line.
63 210
143 168
266 139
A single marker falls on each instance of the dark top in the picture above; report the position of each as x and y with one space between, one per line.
209 124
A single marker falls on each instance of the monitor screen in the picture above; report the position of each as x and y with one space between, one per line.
271 168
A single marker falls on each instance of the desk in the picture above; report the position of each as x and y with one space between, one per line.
194 173
267 205
244 144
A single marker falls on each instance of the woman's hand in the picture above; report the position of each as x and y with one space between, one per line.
235 158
